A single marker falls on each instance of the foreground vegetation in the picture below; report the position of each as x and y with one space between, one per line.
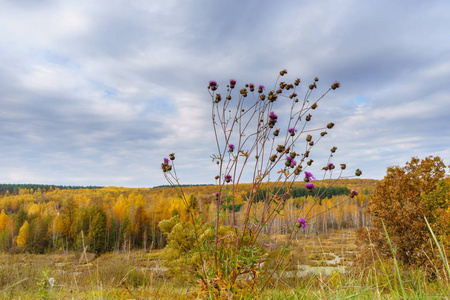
141 275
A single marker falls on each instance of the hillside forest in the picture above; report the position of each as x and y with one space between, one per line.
47 219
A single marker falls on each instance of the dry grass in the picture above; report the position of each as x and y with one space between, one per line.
139 275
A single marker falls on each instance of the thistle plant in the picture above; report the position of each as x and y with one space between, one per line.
264 134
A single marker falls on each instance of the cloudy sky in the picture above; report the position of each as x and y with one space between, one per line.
98 92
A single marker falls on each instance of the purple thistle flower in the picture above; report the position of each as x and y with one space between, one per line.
261 87
228 178
309 176
330 166
309 186
166 161
290 162
230 148
353 193
302 223
292 130
232 82
213 85
273 116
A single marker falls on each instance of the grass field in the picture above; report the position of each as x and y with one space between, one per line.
321 268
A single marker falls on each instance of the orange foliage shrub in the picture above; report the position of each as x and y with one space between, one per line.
402 200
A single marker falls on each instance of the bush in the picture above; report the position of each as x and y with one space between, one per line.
402 201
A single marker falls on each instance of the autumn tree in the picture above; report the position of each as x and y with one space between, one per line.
402 201
97 232
4 220
24 231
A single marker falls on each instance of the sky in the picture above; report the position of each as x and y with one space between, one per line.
99 92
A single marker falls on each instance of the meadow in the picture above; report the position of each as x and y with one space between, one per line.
323 267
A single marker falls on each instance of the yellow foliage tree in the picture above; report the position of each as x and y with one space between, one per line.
24 232
4 220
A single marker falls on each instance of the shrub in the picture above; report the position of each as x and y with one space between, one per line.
402 201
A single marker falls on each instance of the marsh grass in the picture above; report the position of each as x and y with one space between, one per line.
139 275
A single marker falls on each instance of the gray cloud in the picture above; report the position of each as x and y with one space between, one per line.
97 95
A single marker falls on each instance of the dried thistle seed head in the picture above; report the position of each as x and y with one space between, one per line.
282 85
325 168
306 154
279 91
358 172
287 163
273 158
335 85
308 118
276 132
311 143
289 86
293 154
311 86
280 148
323 133
228 98
251 86
314 106
242 110
309 162
217 177
296 100
297 82
282 72
274 98
316 79
262 97
172 156
333 149
244 92
308 138
256 156
287 150
246 85
343 166
330 125
218 98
